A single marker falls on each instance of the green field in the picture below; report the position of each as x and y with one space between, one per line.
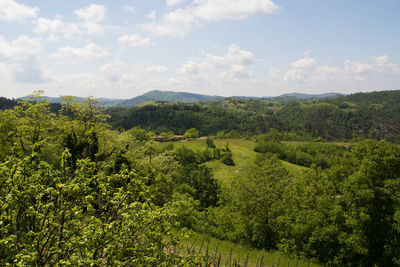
243 156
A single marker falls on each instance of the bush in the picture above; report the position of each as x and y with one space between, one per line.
191 133
226 158
210 142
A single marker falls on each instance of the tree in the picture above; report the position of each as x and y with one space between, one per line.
347 215
369 198
257 196
191 133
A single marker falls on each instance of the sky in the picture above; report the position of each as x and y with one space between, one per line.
124 48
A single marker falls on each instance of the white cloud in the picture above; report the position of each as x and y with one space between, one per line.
228 9
20 49
134 40
152 14
11 10
121 71
239 72
210 62
174 2
128 8
325 73
235 55
355 67
213 68
156 69
191 67
20 57
93 28
384 64
325 69
92 13
296 75
113 70
308 76
175 23
56 29
68 54
29 71
180 21
274 73
304 63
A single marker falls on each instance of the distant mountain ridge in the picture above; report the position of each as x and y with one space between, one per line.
170 96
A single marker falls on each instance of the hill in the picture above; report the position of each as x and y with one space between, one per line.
366 115
167 96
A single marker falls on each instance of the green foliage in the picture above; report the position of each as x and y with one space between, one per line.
210 142
271 146
205 187
306 154
108 199
191 133
139 134
226 158
257 199
79 217
347 215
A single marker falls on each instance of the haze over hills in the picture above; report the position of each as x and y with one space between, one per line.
170 96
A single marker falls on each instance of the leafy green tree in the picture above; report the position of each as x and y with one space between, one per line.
191 133
221 135
139 134
205 187
257 197
80 217
369 200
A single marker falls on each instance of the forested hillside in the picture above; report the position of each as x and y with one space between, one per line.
365 115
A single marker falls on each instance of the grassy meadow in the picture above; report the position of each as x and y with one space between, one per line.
243 156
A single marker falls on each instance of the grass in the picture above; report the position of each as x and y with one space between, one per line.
296 170
203 244
243 156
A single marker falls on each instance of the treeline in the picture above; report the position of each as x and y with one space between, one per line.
207 118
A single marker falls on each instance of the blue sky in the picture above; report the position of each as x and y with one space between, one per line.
121 49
